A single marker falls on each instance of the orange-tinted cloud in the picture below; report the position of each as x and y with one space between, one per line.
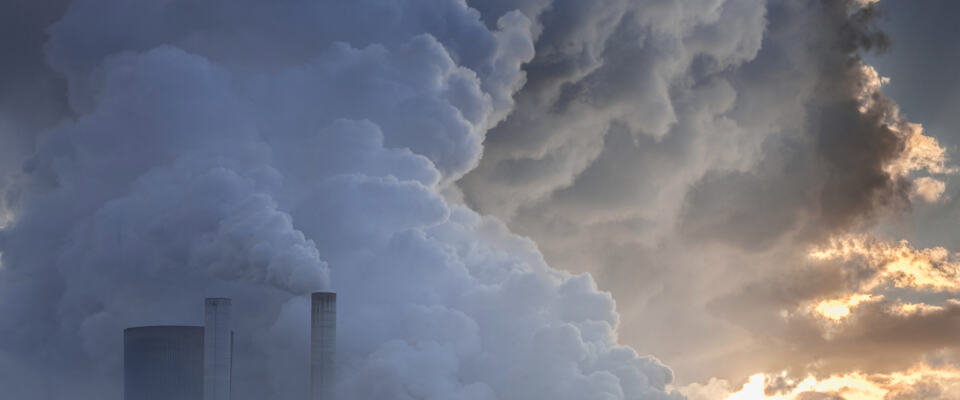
921 381
895 263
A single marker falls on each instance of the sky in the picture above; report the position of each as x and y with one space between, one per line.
514 199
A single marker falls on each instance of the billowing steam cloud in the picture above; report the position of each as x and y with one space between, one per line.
691 153
720 165
262 150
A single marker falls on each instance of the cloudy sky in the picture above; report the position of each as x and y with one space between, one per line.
514 199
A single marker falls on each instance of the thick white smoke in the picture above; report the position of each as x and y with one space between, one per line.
262 150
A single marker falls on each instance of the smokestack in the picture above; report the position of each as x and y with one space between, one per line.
217 349
163 363
323 345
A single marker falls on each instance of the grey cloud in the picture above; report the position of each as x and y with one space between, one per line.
830 170
32 96
872 340
603 91
690 154
263 151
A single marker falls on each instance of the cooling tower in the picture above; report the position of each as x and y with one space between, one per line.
163 363
217 349
323 345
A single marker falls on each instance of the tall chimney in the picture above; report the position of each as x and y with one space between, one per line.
217 349
323 345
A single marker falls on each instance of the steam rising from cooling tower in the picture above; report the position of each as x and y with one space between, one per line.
240 148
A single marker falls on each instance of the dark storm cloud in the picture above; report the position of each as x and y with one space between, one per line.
682 160
828 176
32 96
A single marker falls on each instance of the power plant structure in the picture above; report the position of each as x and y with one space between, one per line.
217 349
323 344
175 362
163 363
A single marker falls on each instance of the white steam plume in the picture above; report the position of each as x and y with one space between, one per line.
263 150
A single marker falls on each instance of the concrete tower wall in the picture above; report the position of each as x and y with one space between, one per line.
217 349
163 363
323 344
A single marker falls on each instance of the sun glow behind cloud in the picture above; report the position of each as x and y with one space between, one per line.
895 263
838 309
889 265
920 381
875 267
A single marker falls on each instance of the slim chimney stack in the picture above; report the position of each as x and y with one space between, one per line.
323 344
217 349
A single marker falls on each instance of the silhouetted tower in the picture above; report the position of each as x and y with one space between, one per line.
163 363
323 345
217 349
